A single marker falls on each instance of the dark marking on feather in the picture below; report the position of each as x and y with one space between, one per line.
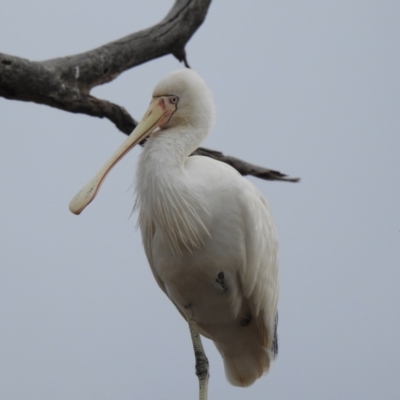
246 319
274 347
221 281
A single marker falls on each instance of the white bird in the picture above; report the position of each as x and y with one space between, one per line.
207 232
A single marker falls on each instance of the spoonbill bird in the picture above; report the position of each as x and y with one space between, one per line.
207 232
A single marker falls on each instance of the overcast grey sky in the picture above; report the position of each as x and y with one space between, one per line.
310 88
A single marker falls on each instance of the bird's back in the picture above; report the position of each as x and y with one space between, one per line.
250 343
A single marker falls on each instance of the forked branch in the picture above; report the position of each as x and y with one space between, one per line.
66 82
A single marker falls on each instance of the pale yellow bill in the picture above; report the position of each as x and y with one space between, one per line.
146 126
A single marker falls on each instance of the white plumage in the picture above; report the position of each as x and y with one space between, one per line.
207 232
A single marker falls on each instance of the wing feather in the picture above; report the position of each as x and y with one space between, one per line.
259 275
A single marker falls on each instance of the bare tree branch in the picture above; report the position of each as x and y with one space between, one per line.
245 168
65 83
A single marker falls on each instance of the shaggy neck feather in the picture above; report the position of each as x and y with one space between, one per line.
171 205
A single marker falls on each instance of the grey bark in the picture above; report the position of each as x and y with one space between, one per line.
65 83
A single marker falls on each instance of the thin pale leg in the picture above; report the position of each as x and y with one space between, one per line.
200 355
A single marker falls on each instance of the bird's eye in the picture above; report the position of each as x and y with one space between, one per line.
173 99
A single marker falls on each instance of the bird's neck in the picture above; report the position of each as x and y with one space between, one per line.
166 198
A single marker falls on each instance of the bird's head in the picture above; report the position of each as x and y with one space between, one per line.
180 100
193 100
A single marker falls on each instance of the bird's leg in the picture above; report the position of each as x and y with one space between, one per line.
200 355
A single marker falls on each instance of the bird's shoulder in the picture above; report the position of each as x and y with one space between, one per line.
215 176
208 164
